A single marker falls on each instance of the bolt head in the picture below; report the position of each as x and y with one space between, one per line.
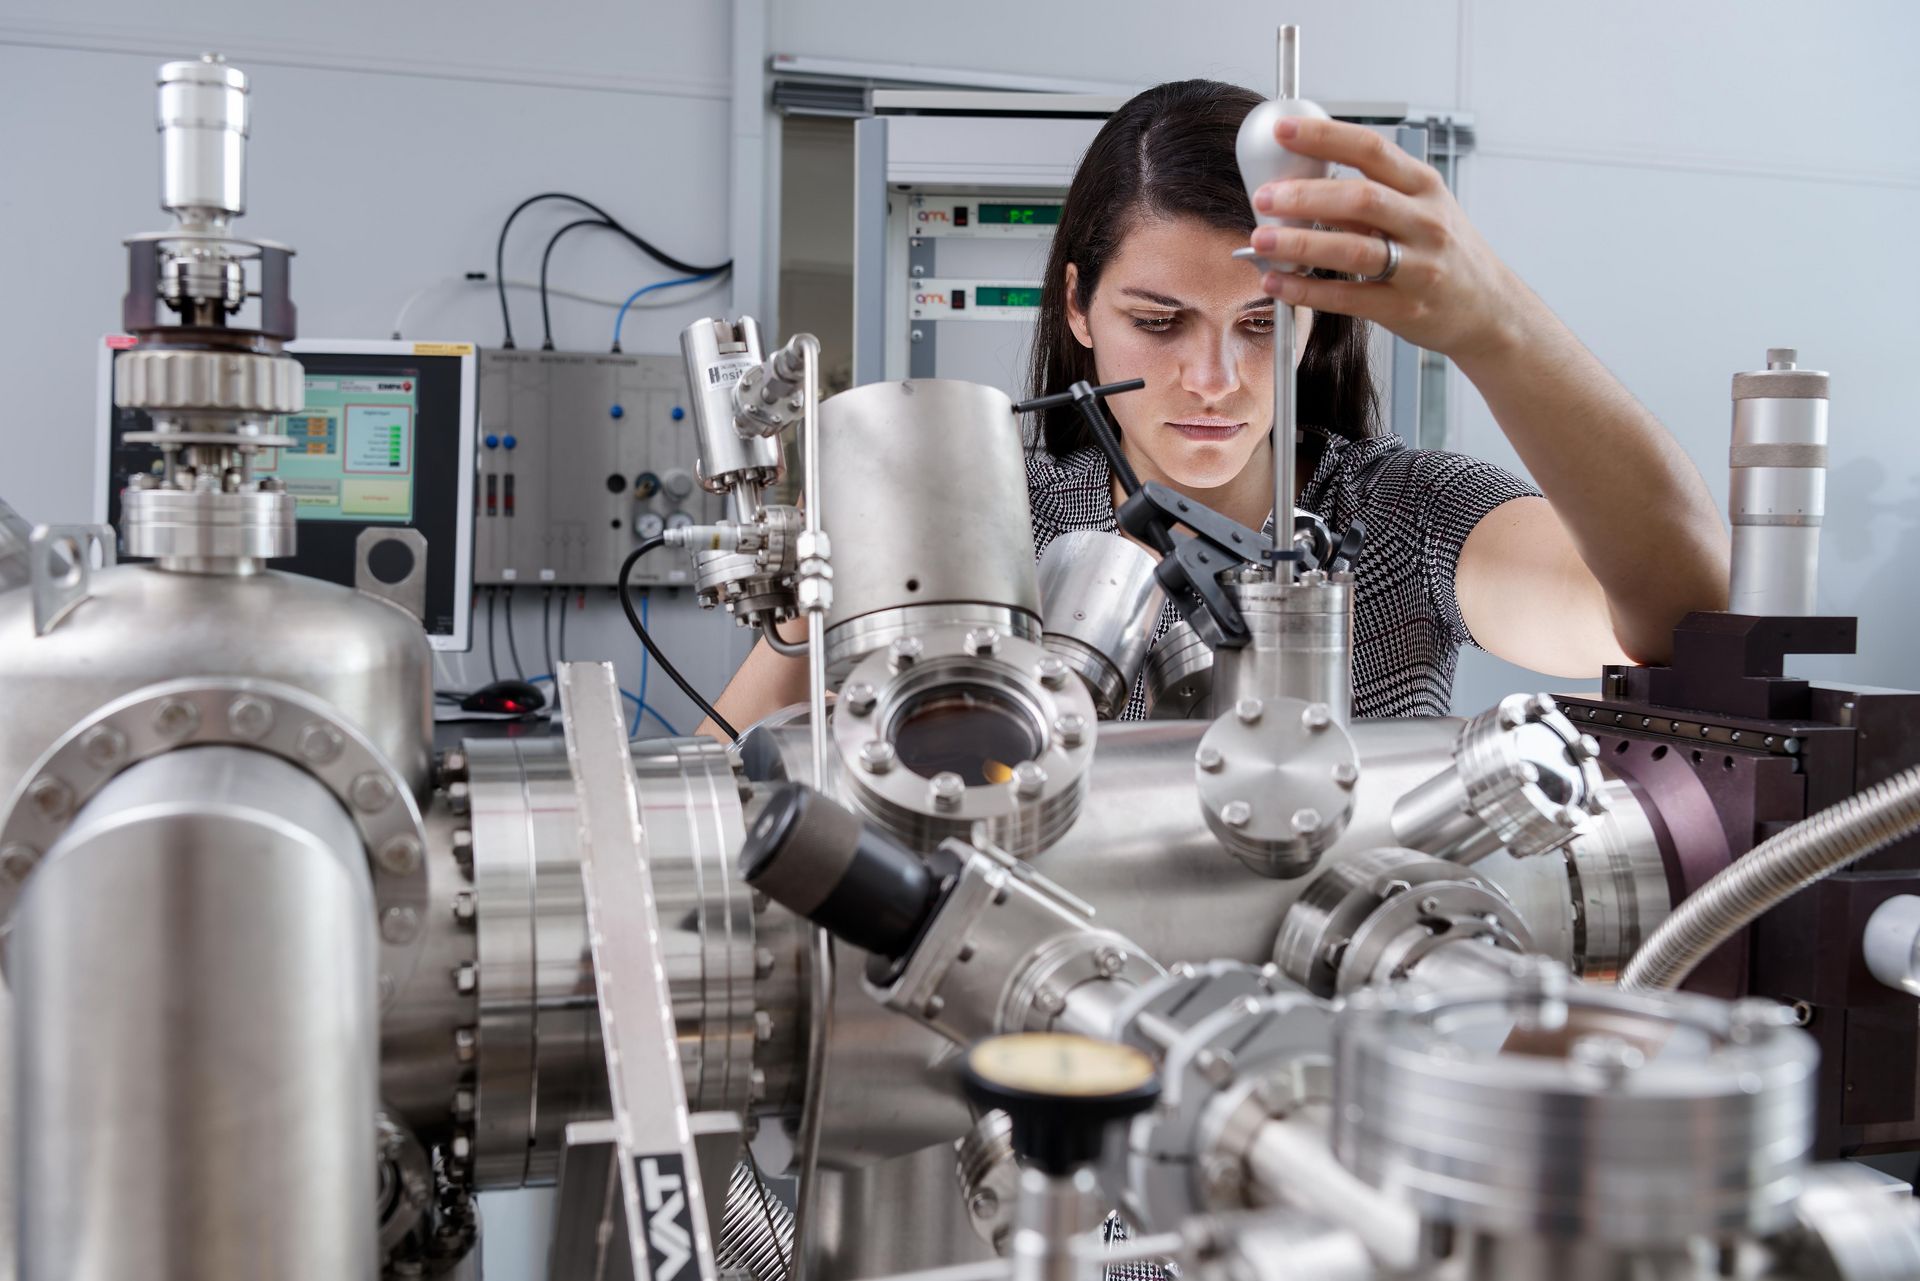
1109 961
1542 705
947 789
877 756
1612 1056
1589 747
762 1026
373 793
320 743
464 1044
176 719
1248 710
466 979
1305 821
249 717
459 798
1052 671
1236 813
461 1147
51 797
463 846
17 862
104 746
904 652
1209 759
762 962
462 1103
1071 727
399 925
934 1005
982 640
1430 906
1346 774
1316 717
453 765
463 906
400 855
985 1204
1029 780
1049 1001
859 697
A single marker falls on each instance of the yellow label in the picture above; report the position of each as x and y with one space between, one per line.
443 349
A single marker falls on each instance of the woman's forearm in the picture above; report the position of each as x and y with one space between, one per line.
1639 512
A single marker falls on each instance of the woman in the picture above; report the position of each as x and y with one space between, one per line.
1624 541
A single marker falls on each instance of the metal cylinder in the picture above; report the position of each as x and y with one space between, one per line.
1778 492
193 968
1100 602
1301 644
203 140
1891 943
925 498
1619 880
1180 676
718 353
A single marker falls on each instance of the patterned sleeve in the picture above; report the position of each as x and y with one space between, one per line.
1426 502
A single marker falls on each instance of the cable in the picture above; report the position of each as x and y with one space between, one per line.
666 665
646 598
513 648
621 319
492 664
546 259
546 626
566 604
533 286
500 251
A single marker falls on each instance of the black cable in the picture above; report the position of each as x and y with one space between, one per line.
666 665
512 647
546 631
546 317
492 664
760 1188
645 247
566 603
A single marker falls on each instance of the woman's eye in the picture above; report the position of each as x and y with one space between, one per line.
1153 324
1260 324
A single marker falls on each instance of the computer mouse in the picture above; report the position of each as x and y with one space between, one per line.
509 697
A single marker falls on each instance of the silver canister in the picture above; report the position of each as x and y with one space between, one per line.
1300 644
1099 602
718 353
203 140
1778 492
924 494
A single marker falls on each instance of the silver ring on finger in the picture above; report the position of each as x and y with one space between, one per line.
1393 262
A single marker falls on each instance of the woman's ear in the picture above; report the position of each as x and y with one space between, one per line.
1076 315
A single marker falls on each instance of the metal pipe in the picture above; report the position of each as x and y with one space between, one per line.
1288 74
197 1023
1775 870
1286 388
771 634
1291 1162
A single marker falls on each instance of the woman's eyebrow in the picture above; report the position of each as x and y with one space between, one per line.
1148 295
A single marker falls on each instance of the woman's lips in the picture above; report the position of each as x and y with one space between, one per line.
1207 429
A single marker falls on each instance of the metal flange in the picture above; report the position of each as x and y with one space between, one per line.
265 716
1275 778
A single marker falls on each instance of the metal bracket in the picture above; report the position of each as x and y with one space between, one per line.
409 591
660 1186
60 567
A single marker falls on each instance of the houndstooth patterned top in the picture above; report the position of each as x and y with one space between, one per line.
1418 506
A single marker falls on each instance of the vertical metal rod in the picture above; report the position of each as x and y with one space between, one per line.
1289 72
1286 412
819 1025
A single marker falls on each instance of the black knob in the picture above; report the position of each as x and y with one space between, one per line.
1061 1090
820 861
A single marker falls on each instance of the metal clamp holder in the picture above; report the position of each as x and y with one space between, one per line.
60 568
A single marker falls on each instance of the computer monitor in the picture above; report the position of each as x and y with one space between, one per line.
386 440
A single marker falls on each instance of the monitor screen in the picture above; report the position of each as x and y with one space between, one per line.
386 440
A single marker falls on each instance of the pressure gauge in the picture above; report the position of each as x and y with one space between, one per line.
1061 1091
678 520
648 525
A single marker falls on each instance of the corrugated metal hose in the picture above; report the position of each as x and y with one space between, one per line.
756 1231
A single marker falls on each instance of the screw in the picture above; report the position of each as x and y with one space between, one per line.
104 746
859 697
1109 961
373 793
1028 779
756 1084
1248 710
762 962
984 1204
463 847
1589 747
1216 1066
400 855
463 909
466 979
1052 671
1430 906
319 742
462 1104
1612 1056
1754 1014
399 925
917 335
981 640
459 798
453 765
1236 813
877 756
1049 1001
1209 759
1346 773
250 717
947 788
934 1005
464 1043
462 1148
1542 705
176 719
50 796
762 1026
17 862
1802 1013
1071 727
1306 821
1316 717
904 652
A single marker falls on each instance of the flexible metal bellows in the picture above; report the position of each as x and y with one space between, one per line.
756 1233
1775 870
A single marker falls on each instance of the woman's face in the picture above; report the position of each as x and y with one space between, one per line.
1174 307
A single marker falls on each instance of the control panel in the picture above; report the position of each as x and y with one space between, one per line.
581 456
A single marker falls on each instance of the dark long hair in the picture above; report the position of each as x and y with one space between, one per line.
1168 152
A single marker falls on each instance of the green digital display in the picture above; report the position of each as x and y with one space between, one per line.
1020 215
1003 296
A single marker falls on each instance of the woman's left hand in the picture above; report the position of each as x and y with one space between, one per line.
1449 294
